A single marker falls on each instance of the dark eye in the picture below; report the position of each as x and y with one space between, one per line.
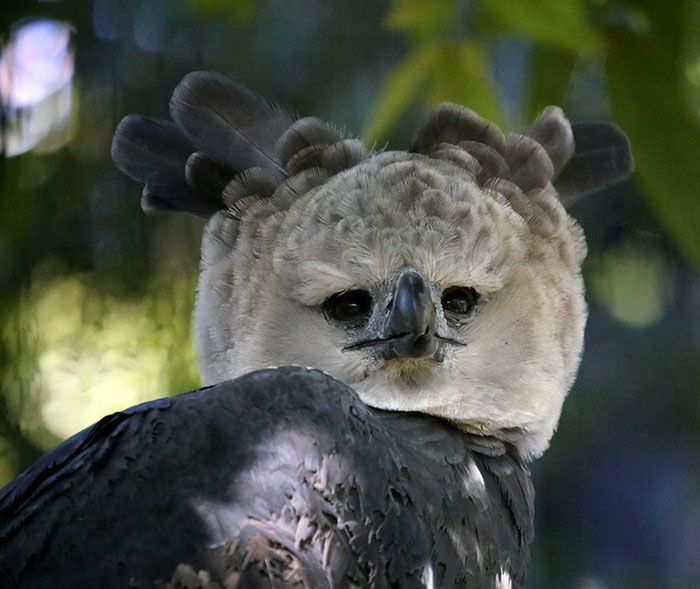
352 306
459 300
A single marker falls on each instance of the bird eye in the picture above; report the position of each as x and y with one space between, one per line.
459 300
352 306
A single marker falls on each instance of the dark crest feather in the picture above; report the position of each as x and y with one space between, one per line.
452 123
254 182
457 155
207 177
579 159
343 155
530 166
492 163
155 152
304 133
229 122
552 131
603 156
150 150
220 129
168 198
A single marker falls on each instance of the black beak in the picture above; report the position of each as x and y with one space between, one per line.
410 327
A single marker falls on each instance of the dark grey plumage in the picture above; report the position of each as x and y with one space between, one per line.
220 129
229 121
603 156
280 478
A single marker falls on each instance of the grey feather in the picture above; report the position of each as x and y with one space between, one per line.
298 185
207 177
256 182
602 157
305 133
335 157
151 150
280 476
306 158
343 155
229 122
451 123
457 155
169 198
492 163
553 132
530 166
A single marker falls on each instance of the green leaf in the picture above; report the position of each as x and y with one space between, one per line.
551 75
461 76
646 77
559 23
401 89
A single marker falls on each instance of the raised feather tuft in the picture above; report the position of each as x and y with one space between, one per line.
229 122
602 157
452 123
304 133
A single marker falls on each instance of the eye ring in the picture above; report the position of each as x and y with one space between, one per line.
459 300
350 307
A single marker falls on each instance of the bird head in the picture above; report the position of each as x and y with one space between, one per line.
444 280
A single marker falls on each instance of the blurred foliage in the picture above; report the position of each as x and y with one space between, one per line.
649 89
241 10
632 279
95 299
99 344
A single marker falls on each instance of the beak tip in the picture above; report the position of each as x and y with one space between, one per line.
410 346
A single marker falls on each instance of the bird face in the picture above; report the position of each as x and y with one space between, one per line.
444 280
407 279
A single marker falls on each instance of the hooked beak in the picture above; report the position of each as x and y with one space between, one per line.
410 325
409 328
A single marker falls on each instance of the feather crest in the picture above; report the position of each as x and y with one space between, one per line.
229 122
150 150
553 132
305 133
602 157
452 123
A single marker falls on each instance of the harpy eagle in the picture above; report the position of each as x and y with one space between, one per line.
437 295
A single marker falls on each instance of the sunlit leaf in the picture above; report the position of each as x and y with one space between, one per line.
646 77
553 22
100 353
401 89
634 282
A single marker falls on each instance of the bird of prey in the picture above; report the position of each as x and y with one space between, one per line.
437 295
